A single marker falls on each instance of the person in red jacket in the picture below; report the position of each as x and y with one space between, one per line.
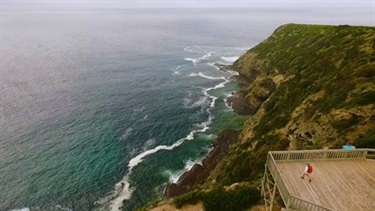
307 172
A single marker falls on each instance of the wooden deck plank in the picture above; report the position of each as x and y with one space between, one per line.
337 184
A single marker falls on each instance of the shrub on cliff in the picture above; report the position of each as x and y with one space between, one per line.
189 198
220 200
338 61
366 142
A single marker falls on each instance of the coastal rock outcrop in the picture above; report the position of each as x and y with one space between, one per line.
223 67
313 89
198 172
305 87
248 102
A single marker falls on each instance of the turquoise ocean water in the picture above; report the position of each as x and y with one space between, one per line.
103 106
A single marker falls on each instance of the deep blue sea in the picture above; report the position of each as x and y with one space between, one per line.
101 106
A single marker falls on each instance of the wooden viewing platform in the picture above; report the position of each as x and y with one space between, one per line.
341 180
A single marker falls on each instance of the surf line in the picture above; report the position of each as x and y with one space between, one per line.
204 125
197 60
205 91
122 190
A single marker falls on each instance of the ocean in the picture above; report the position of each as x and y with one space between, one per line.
101 106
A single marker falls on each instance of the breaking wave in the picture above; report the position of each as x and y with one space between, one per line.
123 189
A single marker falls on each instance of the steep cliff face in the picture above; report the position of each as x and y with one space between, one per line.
310 87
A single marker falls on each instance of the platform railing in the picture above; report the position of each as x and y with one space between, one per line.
278 179
296 203
301 204
331 154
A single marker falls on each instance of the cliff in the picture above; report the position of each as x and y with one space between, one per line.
308 87
314 88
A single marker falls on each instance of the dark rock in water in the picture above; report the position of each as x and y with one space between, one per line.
221 147
239 104
198 173
186 181
223 67
248 102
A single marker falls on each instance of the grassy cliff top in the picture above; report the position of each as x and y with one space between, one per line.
325 94
296 48
338 61
312 87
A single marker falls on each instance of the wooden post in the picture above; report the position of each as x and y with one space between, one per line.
273 196
264 181
364 154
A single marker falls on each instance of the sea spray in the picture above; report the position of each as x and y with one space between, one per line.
188 165
205 91
123 189
229 60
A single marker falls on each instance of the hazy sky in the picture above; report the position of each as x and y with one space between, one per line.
86 4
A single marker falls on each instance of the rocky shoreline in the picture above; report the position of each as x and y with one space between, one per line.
198 173
244 102
254 90
296 104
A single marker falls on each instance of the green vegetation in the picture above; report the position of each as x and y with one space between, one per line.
336 61
244 165
328 58
218 199
325 97
367 141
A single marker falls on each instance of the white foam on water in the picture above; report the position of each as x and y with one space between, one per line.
229 59
204 125
59 207
220 85
148 144
176 70
206 56
56 207
207 77
126 134
176 73
188 49
188 165
201 102
216 49
212 104
233 72
139 158
228 95
213 65
123 189
175 176
124 193
139 109
195 61
186 102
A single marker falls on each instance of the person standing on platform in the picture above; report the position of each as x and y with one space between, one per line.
307 172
